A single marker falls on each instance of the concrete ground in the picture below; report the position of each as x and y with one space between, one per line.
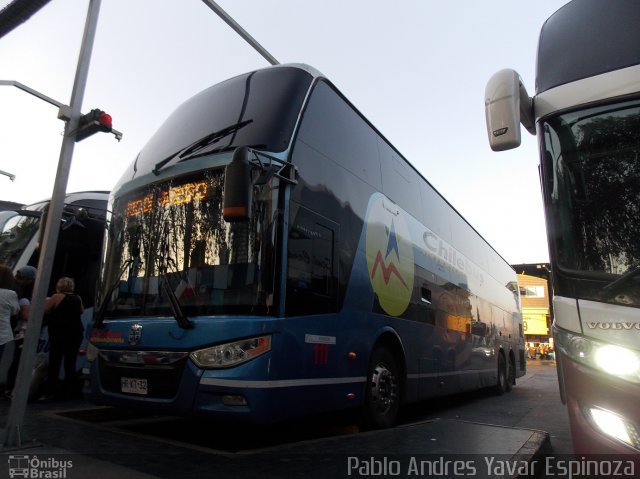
480 433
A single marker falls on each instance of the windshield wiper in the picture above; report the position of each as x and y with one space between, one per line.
29 213
212 138
622 279
206 140
176 307
99 316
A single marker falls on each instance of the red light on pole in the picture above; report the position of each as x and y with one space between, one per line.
93 122
105 120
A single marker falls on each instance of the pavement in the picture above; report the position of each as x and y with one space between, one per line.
74 439
453 447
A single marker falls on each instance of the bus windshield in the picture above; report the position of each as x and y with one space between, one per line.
592 183
16 230
173 233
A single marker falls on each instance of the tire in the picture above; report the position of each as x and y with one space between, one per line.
382 397
511 376
501 384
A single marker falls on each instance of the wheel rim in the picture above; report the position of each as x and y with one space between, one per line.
384 389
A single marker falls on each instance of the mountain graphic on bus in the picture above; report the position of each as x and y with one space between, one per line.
389 255
388 270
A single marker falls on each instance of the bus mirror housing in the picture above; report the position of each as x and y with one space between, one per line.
507 104
238 187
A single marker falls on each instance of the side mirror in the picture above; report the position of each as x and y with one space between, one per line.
75 218
507 104
238 187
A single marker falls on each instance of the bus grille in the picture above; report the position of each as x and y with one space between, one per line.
162 381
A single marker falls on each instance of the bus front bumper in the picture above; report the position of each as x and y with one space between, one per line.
183 392
603 410
244 393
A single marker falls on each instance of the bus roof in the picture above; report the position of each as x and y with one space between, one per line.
79 195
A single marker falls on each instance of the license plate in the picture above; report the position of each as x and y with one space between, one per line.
133 385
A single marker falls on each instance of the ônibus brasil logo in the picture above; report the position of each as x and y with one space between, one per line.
38 468
389 256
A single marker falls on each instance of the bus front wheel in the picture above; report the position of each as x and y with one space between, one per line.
382 398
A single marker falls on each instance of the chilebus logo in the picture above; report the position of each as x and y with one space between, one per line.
389 256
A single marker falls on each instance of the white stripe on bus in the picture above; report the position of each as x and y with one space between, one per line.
286 383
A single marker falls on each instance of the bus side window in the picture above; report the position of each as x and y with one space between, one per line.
399 180
331 126
312 275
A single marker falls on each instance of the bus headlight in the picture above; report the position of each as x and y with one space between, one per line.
617 360
231 354
608 358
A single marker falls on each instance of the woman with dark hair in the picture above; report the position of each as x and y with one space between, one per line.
8 306
64 310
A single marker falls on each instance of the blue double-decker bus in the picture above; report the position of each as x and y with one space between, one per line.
271 255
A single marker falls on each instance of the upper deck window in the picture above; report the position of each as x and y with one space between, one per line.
268 101
583 39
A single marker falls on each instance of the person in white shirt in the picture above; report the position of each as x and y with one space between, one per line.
8 306
25 278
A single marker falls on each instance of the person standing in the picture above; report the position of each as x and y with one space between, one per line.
63 312
25 277
8 306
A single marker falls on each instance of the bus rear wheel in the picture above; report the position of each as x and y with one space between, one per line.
511 375
501 384
382 397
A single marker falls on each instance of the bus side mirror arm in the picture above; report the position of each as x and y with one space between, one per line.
507 104
288 173
527 117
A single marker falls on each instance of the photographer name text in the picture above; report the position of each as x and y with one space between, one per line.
490 466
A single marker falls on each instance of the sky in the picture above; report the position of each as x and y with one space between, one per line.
417 69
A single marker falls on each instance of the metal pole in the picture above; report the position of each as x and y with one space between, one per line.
240 31
13 434
12 177
31 91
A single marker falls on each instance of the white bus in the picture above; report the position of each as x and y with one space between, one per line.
78 252
586 114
